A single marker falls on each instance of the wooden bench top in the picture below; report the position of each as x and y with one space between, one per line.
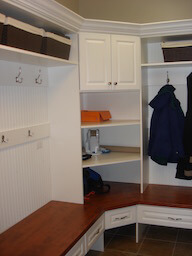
57 226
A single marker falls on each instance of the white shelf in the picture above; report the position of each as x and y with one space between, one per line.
167 64
110 123
111 158
18 55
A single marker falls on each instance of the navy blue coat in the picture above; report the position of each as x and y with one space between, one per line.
166 131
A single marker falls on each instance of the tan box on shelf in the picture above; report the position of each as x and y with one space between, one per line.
95 116
2 20
21 35
56 46
177 51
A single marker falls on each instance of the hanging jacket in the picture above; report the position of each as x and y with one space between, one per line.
184 167
187 137
166 131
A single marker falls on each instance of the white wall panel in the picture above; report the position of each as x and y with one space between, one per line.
25 180
65 135
22 106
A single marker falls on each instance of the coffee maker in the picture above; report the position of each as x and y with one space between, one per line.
92 145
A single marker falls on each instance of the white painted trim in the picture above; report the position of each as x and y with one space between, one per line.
50 11
65 18
111 27
177 27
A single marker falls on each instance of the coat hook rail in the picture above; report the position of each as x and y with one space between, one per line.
38 80
18 78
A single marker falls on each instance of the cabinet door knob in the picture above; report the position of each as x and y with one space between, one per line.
109 83
115 83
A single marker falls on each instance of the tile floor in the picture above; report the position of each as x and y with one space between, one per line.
157 241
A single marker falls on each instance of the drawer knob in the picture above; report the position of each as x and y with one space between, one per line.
175 219
95 234
109 83
122 218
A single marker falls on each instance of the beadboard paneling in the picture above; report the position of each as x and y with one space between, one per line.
24 181
22 106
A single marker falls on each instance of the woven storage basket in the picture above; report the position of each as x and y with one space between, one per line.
2 20
21 35
56 46
177 51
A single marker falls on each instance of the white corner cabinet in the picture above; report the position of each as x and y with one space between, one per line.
109 62
110 80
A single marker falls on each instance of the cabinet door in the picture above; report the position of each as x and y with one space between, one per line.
126 62
95 61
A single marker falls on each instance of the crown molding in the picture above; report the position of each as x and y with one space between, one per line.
112 27
65 20
177 27
50 11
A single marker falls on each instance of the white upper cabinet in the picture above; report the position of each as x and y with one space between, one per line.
95 61
109 62
125 62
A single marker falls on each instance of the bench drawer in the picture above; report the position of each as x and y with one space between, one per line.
78 249
165 216
120 217
94 232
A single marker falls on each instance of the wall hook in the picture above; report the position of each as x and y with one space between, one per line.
168 80
30 134
18 78
3 139
38 80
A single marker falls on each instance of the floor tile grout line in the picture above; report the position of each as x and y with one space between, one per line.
125 252
148 227
161 240
175 243
112 236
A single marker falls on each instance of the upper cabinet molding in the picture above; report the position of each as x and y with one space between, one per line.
66 20
111 27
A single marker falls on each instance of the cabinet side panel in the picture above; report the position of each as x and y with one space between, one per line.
65 135
145 175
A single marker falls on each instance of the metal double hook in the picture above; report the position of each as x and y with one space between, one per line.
38 80
18 78
3 139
